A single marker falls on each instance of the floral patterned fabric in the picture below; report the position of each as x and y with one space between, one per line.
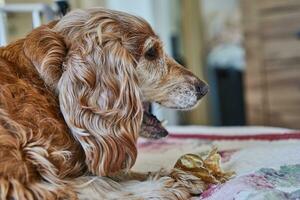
267 183
266 169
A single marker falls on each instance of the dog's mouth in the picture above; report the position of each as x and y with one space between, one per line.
151 126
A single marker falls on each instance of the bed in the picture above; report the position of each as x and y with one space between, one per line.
266 159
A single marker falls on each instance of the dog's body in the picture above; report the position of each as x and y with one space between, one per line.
71 98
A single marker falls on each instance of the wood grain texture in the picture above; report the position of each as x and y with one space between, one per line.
272 44
254 80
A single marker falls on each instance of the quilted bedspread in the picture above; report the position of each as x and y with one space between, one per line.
266 160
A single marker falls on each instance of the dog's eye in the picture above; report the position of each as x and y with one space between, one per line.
151 54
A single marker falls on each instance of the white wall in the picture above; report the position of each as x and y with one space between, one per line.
142 8
86 3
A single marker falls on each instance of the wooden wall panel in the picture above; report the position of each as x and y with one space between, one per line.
275 5
272 41
254 80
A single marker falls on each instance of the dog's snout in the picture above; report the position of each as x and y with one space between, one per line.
201 89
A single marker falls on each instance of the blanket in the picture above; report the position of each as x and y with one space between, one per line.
266 160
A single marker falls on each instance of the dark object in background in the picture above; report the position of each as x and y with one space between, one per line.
228 97
231 96
63 7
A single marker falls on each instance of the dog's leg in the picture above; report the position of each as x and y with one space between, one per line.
164 184
192 184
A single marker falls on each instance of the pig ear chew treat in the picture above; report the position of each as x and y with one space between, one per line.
207 167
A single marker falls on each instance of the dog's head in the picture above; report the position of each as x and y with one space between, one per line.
103 64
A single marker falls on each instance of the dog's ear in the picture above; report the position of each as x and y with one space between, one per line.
100 100
47 50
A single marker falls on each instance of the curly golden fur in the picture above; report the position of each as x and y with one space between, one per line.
71 109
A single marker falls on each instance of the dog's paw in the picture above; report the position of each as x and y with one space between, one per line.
194 185
180 182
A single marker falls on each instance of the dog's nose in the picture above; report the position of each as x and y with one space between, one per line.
201 90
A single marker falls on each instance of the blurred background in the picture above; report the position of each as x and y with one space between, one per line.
247 50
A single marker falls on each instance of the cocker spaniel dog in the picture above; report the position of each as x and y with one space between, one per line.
71 109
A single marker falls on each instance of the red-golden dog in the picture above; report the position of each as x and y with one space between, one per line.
71 109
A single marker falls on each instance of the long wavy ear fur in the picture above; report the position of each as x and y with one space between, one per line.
47 50
100 98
